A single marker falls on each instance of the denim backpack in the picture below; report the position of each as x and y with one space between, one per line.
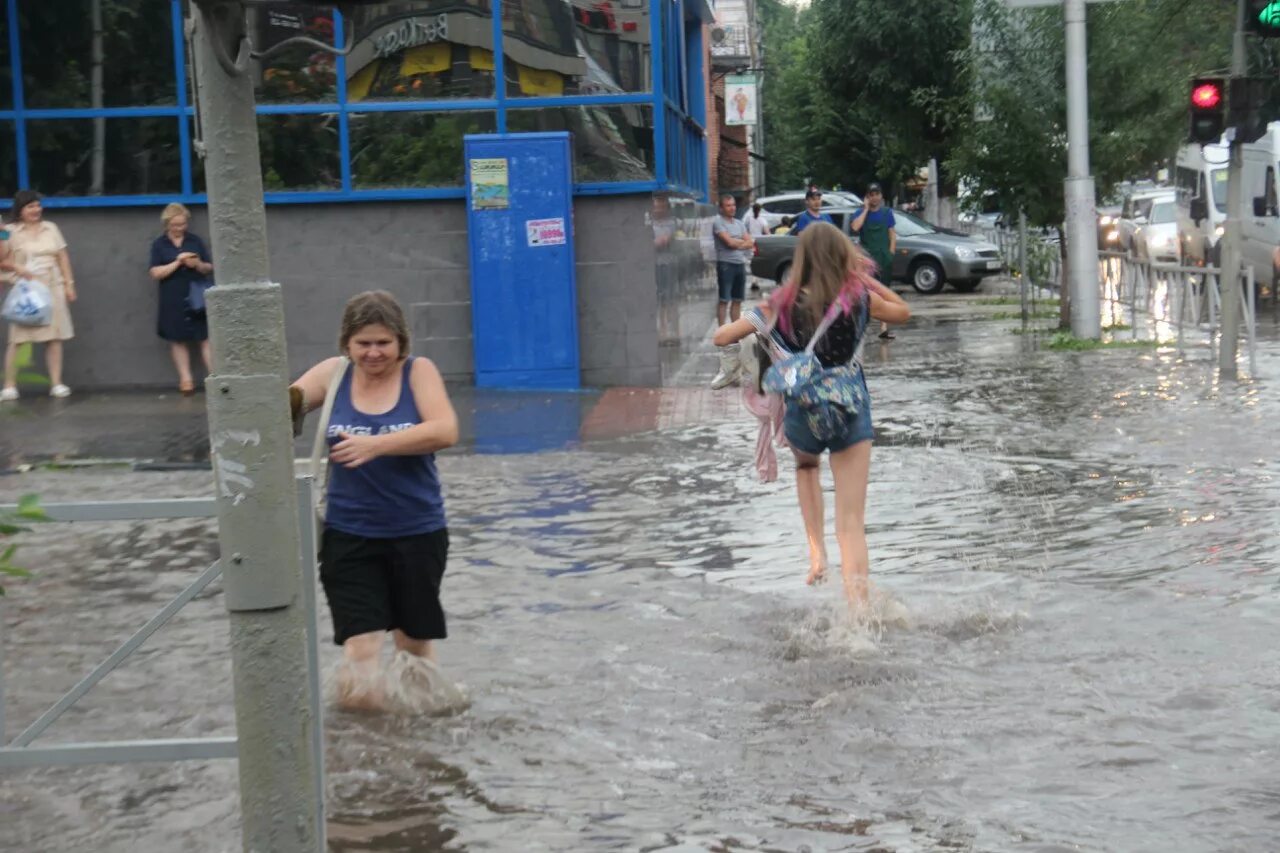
828 396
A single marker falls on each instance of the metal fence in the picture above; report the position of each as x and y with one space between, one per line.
20 752
1173 299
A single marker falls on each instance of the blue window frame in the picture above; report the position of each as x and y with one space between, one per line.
335 131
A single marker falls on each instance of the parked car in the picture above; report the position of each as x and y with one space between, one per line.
1157 236
1136 213
1108 236
774 207
928 258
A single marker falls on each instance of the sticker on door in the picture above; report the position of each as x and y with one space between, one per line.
545 232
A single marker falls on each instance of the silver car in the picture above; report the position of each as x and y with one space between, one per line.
774 207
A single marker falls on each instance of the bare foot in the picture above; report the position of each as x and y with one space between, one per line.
817 570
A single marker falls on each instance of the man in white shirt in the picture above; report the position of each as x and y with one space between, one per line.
756 227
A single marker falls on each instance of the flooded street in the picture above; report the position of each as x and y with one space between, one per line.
1076 555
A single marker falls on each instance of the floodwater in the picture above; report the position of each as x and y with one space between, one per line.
1082 559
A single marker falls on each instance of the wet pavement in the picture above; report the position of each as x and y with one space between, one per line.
1076 570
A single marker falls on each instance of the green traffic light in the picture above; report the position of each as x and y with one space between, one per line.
1270 14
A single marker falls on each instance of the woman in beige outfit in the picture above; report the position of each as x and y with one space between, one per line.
37 250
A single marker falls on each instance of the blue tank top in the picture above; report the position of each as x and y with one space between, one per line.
390 496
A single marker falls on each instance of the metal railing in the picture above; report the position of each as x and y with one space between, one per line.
20 752
1175 299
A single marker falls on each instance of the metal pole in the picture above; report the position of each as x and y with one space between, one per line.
931 199
1229 277
1025 278
252 450
1078 192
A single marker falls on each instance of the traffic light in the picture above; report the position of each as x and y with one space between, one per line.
1263 17
1208 109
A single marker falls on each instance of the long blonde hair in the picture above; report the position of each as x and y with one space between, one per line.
829 268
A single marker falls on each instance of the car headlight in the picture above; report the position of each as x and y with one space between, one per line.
1219 231
1113 236
965 253
1106 220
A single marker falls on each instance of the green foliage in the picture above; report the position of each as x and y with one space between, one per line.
1013 120
1014 300
11 523
1017 315
787 94
24 359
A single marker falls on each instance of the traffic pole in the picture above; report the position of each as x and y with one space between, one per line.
1232 233
252 452
1078 190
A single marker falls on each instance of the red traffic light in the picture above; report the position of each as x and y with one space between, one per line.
1206 96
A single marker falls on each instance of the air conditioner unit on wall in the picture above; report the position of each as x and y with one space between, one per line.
718 35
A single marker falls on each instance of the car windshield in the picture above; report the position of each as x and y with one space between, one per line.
1163 212
909 226
1219 181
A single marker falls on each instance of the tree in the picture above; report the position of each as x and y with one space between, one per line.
785 95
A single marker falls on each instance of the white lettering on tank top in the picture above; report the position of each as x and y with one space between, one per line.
385 429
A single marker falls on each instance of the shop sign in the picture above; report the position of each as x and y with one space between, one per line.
740 99
411 32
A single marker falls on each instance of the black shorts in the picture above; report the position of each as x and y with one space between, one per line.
383 584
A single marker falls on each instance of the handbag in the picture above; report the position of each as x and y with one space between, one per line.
195 295
29 303
828 396
320 472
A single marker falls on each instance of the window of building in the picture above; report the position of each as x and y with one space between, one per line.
609 143
97 100
556 47
392 150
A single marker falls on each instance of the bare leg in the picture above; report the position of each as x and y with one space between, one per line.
11 365
207 355
809 492
53 360
360 684
181 360
735 311
417 648
722 311
850 468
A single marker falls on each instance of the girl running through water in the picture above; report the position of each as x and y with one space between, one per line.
828 271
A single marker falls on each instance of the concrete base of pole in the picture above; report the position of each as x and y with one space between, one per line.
1082 251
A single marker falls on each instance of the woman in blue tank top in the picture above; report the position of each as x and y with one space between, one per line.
385 540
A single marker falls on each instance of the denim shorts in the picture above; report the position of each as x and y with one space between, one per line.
732 279
799 436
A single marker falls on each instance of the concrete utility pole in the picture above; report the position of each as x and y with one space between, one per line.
1229 282
252 446
1078 192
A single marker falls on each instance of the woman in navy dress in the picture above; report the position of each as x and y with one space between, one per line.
177 259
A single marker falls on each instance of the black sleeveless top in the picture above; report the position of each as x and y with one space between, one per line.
839 342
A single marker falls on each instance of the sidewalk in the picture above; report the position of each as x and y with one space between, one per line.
166 430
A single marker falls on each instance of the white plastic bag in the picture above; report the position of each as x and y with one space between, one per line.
29 303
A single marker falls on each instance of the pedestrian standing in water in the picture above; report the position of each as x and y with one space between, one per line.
179 262
876 230
38 251
385 539
733 249
831 286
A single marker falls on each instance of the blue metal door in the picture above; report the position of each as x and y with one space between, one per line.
524 307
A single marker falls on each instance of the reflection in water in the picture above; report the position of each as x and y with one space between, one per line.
1075 581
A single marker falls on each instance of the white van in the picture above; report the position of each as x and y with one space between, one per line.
1201 181
1202 203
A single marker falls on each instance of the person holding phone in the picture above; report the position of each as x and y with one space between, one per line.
178 259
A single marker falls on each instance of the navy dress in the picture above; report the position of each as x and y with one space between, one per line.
175 322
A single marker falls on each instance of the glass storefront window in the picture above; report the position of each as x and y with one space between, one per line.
300 152
8 164
412 149
609 143
104 156
300 74
421 51
6 73
134 53
557 47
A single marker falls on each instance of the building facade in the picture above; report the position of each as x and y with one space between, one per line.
362 157
736 150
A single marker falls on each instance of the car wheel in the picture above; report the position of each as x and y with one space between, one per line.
783 272
927 276
967 286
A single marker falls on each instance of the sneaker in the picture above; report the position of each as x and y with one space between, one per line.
59 391
8 394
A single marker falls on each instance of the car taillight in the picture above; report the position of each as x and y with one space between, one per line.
755 249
